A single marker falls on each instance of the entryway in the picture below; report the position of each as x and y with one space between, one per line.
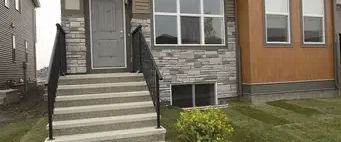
108 46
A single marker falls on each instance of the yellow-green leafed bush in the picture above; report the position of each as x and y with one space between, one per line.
210 125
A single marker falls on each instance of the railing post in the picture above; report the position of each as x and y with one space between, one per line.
50 107
140 48
157 99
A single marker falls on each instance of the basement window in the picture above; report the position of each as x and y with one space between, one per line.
196 95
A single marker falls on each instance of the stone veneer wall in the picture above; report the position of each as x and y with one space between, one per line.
74 28
191 66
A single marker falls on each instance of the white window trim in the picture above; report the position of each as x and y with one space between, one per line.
14 46
277 13
7 3
201 15
323 25
26 46
18 5
193 93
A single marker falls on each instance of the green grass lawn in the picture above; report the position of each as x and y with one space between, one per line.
311 120
29 130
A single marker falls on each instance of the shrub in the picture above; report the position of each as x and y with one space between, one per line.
211 125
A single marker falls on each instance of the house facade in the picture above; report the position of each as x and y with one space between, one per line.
211 50
289 49
17 41
193 43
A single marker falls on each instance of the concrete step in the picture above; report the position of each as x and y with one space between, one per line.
93 111
102 124
103 98
100 78
101 88
147 134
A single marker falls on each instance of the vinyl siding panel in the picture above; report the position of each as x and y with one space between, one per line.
24 30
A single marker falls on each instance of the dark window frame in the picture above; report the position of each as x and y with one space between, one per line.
194 94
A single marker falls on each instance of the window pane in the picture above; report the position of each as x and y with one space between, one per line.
190 30
165 5
182 96
204 95
166 30
190 6
313 29
314 7
214 30
277 6
277 28
213 7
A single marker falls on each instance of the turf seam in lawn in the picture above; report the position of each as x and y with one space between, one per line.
294 108
261 115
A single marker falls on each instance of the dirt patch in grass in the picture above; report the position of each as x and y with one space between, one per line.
261 115
30 106
24 121
294 108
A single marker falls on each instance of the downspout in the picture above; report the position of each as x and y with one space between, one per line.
336 48
238 53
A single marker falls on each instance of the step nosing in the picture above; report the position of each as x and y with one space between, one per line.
102 85
103 121
94 108
117 134
102 96
99 76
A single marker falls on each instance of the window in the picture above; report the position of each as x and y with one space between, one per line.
197 95
7 3
313 21
14 46
189 22
18 5
26 51
277 21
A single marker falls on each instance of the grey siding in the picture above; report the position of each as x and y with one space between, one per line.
24 22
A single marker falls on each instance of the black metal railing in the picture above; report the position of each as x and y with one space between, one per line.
143 62
57 68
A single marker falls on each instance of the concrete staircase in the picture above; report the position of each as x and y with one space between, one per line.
105 107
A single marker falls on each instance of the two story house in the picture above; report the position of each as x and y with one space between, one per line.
17 42
184 53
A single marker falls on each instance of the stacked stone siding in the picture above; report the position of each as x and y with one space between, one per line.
197 66
74 28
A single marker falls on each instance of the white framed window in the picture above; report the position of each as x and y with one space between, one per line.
26 50
313 18
189 22
18 5
14 47
194 95
7 3
277 21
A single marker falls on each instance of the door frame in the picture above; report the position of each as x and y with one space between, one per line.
124 35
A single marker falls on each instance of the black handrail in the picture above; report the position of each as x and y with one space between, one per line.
57 68
143 62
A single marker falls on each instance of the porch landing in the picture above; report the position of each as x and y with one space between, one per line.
105 107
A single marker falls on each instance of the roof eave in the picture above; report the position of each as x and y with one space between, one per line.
36 3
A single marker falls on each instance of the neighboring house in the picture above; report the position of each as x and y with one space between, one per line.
17 41
287 49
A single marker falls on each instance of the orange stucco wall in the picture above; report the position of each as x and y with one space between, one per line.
263 64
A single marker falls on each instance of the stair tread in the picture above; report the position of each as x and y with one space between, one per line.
103 120
104 75
109 135
102 96
92 108
101 85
